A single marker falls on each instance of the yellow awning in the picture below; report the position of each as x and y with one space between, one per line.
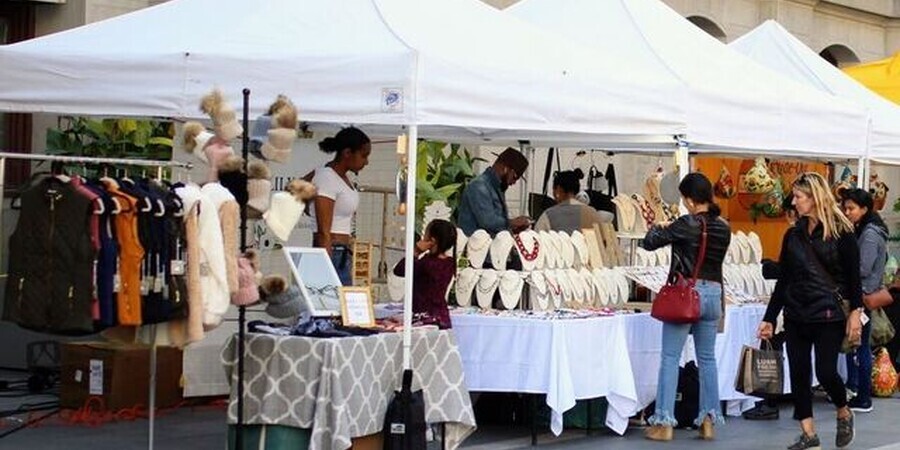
882 76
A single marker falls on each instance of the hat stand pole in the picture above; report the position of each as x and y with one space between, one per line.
242 310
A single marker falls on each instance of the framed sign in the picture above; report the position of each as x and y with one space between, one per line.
357 307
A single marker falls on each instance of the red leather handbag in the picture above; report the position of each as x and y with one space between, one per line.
678 301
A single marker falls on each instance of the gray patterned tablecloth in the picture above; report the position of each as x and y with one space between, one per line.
340 388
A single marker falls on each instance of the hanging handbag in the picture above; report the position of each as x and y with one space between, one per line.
882 329
538 203
848 345
678 302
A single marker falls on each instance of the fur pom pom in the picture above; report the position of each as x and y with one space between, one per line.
273 284
212 103
284 113
191 130
232 163
301 190
258 170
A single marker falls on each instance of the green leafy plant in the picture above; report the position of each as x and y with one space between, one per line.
112 138
442 171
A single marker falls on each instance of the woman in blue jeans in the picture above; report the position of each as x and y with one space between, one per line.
685 235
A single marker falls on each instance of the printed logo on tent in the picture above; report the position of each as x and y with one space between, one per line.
392 100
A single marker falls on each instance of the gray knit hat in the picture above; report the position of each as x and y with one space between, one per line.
284 305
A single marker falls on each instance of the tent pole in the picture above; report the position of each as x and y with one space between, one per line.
411 156
682 164
523 191
863 172
242 310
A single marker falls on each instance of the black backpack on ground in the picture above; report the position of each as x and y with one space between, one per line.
687 397
404 421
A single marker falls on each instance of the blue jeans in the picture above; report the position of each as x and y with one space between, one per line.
673 338
859 368
342 259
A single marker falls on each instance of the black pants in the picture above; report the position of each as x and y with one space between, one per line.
826 338
893 347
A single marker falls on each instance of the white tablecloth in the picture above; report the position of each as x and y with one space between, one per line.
568 360
645 345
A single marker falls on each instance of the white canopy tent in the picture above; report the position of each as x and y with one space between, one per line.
455 68
734 104
773 46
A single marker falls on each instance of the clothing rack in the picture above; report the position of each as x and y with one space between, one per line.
159 165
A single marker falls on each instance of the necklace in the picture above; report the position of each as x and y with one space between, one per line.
510 288
537 280
535 246
646 210
553 284
480 240
465 282
500 248
486 287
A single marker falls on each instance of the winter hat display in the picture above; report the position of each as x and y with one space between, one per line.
195 138
283 131
222 114
287 207
248 271
259 188
231 175
283 301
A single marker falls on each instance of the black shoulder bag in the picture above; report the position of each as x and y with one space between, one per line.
847 345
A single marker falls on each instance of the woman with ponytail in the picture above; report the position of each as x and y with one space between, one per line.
819 271
685 236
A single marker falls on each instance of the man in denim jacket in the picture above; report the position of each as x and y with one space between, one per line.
483 202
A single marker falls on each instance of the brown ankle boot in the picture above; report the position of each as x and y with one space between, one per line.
707 432
659 433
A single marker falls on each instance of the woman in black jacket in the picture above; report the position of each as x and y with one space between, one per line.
684 235
819 270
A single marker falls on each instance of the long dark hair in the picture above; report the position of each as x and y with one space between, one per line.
443 233
864 199
698 188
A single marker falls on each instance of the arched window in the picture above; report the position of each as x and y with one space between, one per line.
839 55
710 27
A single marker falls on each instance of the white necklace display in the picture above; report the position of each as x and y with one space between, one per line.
582 253
548 249
565 285
486 286
595 253
566 249
625 213
664 256
744 247
729 253
461 240
621 285
500 248
640 257
603 289
756 245
531 252
553 287
477 248
465 284
574 278
510 287
540 296
591 291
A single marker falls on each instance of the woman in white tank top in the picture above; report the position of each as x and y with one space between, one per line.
337 198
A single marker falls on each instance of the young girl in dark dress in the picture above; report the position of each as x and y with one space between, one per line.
433 270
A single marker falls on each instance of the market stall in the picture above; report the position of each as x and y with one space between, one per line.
882 76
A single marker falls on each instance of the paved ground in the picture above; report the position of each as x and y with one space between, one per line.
202 428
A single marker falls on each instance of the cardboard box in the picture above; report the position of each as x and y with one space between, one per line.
370 442
119 374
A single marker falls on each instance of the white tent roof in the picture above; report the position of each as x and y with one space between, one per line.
734 102
463 69
775 47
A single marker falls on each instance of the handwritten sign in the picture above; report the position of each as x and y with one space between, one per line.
357 308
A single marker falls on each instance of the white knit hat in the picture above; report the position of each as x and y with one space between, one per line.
283 214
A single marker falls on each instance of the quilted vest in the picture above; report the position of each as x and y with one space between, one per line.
51 259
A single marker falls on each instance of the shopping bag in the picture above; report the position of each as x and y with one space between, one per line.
760 371
884 376
882 329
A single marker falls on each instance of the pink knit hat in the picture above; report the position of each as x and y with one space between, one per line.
248 290
216 152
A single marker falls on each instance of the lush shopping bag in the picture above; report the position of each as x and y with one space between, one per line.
882 329
404 421
678 301
884 376
760 371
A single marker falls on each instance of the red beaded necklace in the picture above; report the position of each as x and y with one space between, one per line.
535 248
